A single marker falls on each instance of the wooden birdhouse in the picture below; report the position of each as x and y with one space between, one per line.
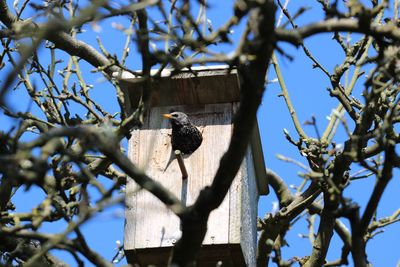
209 96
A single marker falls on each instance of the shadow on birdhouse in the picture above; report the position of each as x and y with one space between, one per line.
210 97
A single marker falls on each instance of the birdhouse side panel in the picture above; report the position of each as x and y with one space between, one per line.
249 200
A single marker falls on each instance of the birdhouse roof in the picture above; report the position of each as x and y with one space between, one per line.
191 87
197 85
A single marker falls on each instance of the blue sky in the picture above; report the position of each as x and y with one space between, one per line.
307 88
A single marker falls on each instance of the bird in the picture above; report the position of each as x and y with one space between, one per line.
185 136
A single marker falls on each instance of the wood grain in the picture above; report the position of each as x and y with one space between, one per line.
202 86
151 149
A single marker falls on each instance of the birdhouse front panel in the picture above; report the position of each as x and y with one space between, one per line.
150 224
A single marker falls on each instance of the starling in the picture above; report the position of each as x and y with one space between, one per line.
185 136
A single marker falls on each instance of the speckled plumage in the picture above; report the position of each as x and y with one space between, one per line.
185 136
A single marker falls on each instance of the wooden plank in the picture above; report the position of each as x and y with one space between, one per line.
209 256
249 210
217 134
187 88
235 208
155 225
235 204
130 195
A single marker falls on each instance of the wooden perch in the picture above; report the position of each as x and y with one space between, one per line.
178 156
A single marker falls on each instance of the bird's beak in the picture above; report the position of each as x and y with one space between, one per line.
167 116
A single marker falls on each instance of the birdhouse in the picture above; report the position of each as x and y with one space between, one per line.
210 97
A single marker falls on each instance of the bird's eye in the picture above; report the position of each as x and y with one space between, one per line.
174 115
